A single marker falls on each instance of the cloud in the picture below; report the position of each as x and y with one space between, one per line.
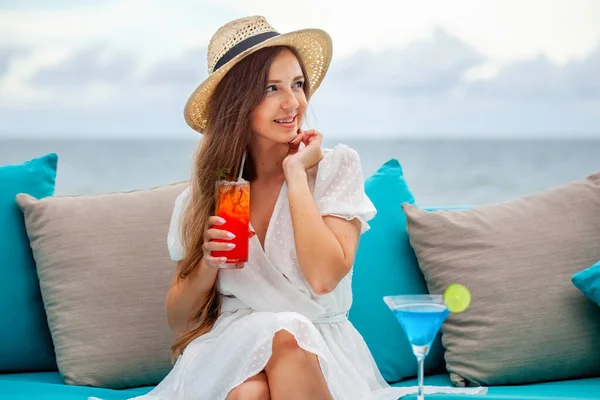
420 89
91 65
539 79
423 90
184 70
584 76
7 54
503 30
424 67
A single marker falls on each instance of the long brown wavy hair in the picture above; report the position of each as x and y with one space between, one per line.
226 136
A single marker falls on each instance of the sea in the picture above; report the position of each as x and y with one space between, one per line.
448 172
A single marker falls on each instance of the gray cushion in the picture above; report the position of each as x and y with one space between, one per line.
527 321
104 272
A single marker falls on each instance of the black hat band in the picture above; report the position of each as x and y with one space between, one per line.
243 46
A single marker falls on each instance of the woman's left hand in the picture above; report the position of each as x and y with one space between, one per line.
307 157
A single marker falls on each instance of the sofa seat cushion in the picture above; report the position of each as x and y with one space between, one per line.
585 389
51 386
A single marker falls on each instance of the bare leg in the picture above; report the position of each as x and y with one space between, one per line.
293 373
254 388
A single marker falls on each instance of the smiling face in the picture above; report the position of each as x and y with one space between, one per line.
279 115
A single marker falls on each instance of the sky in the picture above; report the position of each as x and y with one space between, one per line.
427 68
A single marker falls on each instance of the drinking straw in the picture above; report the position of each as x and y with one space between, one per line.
242 167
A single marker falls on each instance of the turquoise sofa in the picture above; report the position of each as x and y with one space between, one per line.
49 385
377 272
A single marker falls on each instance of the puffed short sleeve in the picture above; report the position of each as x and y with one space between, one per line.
339 187
176 250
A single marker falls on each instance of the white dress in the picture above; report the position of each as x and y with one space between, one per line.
271 294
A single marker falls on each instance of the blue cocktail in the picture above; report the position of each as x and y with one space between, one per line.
421 317
421 323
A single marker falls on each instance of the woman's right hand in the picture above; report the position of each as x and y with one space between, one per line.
211 245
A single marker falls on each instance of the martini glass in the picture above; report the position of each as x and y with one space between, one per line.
421 317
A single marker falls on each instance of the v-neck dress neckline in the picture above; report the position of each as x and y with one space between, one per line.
278 204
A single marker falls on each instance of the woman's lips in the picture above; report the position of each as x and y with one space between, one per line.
287 125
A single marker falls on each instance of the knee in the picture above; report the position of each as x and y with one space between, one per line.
252 390
286 350
284 341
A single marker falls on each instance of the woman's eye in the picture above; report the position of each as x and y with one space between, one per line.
297 84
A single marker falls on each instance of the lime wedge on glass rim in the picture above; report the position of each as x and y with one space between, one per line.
457 298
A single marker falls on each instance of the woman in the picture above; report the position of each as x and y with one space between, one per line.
278 328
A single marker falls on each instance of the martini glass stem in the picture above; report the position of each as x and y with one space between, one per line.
421 363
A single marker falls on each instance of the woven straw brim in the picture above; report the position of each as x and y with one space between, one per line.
313 45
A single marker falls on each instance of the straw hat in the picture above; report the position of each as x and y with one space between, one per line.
241 37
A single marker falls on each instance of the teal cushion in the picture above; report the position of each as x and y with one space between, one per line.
588 281
386 265
25 343
559 390
50 386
